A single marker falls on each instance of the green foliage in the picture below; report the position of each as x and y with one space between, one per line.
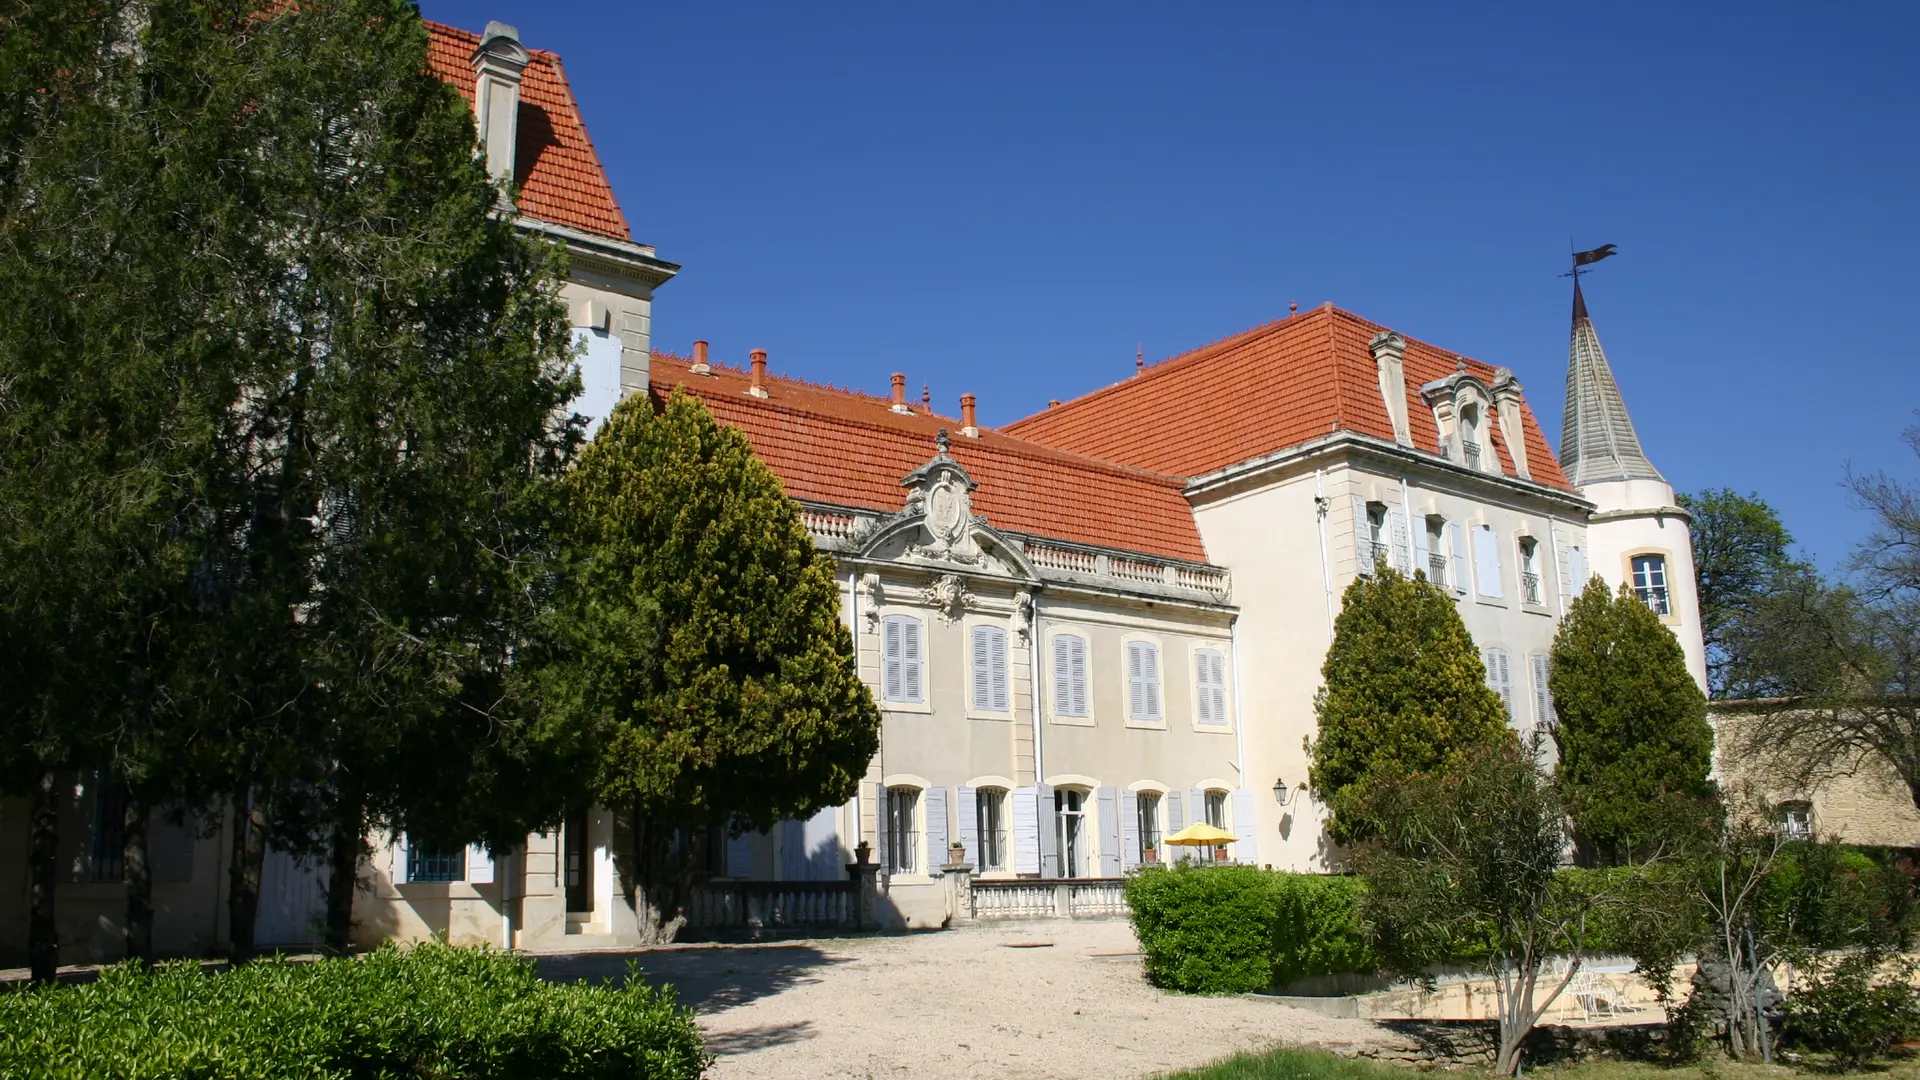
428 1011
1292 1063
1230 929
1740 557
1403 692
1853 1010
1205 930
700 631
1635 745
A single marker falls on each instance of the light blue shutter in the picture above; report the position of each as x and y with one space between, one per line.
1026 830
1129 830
1246 849
997 666
1486 561
1049 831
1577 558
479 865
893 681
1063 674
910 660
740 856
1500 677
1199 799
1176 820
1136 681
1109 802
793 850
400 858
980 657
1363 553
1150 670
881 852
1078 652
1565 566
1402 544
969 813
936 810
1420 548
1457 542
1542 694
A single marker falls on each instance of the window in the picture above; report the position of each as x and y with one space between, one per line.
1470 435
988 648
1215 803
1436 567
1376 546
426 862
1147 805
1143 681
108 848
1070 823
903 833
1796 820
990 826
1069 675
1486 561
1529 570
1650 582
1210 686
1500 676
903 674
1543 715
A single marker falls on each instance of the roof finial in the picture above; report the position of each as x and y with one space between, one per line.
1139 358
926 398
943 442
1293 308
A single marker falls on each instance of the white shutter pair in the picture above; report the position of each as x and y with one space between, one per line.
1402 541
1069 675
1500 676
1542 695
988 649
1210 685
1143 681
1486 560
902 667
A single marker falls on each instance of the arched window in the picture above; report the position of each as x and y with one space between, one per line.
1147 823
1214 804
1470 434
902 828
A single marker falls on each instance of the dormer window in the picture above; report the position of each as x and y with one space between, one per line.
1470 435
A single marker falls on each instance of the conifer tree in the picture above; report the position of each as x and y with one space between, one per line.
699 631
1403 692
1635 747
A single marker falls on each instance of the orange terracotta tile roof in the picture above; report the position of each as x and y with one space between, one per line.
850 449
1262 391
555 166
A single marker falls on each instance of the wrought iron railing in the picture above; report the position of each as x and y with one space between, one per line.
1437 568
1530 586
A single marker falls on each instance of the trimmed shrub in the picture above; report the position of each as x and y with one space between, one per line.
1205 930
1317 928
429 1011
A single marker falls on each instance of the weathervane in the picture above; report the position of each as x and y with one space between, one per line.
1588 258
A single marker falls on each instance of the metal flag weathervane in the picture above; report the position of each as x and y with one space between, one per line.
1588 258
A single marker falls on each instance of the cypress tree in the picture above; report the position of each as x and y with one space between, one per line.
1403 693
699 631
1635 746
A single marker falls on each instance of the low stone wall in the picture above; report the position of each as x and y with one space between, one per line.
1440 1044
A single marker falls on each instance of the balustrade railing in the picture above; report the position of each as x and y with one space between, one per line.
757 905
1050 898
1530 586
829 525
1437 568
1131 570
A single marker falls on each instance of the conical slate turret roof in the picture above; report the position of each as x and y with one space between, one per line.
1597 441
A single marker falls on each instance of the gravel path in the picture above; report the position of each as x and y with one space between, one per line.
956 1004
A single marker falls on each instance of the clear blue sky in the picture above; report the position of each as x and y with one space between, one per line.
1005 199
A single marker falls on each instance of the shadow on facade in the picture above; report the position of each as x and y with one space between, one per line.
707 977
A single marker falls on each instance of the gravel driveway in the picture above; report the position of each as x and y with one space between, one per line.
956 1003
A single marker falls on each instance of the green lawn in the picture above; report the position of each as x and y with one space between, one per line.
1293 1064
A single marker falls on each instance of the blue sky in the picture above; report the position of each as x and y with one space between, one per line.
1006 199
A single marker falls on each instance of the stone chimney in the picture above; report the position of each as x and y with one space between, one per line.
900 393
759 365
497 65
967 426
700 365
1507 399
1390 357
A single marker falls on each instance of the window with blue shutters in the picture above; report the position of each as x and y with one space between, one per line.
1210 686
988 688
1143 682
903 669
1070 697
901 829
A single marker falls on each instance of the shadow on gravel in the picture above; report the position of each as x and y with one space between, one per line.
746 1042
708 977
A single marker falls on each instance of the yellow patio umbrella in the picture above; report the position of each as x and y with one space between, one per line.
1201 834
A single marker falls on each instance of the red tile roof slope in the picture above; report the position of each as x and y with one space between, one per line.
851 449
555 166
1259 392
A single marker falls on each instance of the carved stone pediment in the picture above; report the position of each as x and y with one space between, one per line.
937 525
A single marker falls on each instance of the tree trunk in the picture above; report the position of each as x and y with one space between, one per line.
343 875
138 876
43 873
243 876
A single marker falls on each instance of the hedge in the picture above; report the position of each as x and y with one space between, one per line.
1231 929
430 1011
